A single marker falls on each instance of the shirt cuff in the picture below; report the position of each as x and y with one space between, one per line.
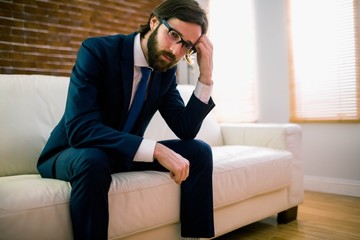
145 152
203 92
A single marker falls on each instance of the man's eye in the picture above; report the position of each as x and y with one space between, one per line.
187 45
174 35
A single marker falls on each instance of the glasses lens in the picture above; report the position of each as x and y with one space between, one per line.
174 36
187 46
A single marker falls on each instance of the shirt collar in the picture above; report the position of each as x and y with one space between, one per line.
139 57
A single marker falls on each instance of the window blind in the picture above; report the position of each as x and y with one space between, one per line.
324 60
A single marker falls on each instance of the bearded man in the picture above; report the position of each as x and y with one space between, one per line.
101 131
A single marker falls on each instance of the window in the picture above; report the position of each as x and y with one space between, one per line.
324 60
232 31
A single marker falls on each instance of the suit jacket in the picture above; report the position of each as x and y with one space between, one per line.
98 102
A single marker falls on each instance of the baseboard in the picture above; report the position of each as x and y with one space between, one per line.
332 185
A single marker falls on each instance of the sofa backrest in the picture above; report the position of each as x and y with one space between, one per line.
31 106
210 130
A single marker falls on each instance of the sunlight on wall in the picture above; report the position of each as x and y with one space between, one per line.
232 31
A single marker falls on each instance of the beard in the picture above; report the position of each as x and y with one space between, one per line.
155 56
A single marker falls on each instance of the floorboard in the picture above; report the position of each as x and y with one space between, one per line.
321 216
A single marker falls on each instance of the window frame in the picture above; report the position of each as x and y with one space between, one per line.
294 117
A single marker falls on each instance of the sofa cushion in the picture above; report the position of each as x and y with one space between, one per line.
242 172
30 106
150 197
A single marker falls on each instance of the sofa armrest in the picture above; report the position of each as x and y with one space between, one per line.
278 136
285 136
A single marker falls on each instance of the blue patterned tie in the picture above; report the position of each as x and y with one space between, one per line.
138 100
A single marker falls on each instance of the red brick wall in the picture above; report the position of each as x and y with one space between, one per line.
43 36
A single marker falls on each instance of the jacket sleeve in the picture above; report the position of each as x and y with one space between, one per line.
82 116
184 121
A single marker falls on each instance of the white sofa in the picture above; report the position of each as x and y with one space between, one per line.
258 172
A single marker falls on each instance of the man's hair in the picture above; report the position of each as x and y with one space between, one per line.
184 10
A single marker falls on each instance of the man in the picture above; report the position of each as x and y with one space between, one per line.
96 137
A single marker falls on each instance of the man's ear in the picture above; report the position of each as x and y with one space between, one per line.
154 22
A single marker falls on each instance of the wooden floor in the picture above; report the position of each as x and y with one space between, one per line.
321 216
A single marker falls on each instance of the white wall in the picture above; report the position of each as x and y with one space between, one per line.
331 151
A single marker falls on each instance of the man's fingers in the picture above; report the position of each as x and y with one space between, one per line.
182 174
175 178
204 43
187 170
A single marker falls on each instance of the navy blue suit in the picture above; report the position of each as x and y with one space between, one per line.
89 136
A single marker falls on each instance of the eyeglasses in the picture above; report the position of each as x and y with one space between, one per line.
175 37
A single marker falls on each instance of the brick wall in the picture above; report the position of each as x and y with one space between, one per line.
43 36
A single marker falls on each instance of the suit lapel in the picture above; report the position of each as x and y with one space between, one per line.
128 77
127 74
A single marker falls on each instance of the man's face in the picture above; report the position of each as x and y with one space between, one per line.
163 52
160 60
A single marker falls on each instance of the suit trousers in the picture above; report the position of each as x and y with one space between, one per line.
89 172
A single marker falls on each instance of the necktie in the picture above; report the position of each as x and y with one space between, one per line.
138 100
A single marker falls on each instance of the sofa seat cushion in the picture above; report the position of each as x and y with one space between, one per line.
36 206
242 172
151 198
26 192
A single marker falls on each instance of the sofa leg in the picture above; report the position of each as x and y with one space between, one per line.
287 215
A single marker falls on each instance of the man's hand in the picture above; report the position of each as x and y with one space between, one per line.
174 162
204 50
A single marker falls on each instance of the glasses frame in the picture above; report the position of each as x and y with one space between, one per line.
190 50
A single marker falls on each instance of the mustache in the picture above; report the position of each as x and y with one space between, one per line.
168 54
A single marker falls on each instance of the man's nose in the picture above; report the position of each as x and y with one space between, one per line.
176 48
